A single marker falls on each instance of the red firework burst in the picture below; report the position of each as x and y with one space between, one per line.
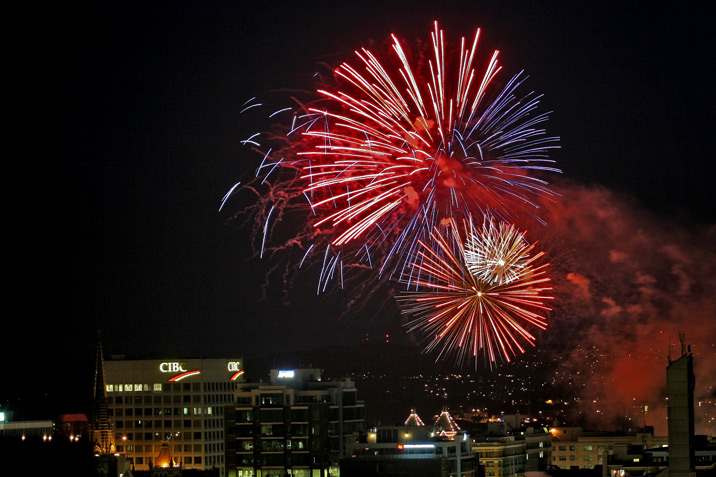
400 146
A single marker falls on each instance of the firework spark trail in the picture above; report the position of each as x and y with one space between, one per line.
462 313
428 147
397 147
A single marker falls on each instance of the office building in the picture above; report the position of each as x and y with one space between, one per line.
572 447
170 412
501 456
416 450
296 424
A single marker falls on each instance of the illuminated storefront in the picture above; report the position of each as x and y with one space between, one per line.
171 412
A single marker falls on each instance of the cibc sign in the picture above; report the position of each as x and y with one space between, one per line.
233 366
172 367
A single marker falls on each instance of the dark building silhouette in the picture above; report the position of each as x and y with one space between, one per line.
100 425
680 383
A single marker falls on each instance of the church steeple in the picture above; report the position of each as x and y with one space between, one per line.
102 434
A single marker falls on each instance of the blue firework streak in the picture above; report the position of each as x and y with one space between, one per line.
402 145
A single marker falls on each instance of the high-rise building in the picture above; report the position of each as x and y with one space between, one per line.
170 412
296 424
680 383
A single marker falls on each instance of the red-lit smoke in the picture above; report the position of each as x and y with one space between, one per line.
627 283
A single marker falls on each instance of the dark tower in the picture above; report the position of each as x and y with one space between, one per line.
101 427
680 382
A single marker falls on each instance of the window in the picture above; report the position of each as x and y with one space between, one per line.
268 400
157 388
588 448
245 415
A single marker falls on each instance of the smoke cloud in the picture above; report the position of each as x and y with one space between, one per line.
627 283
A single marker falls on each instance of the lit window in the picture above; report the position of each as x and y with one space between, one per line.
157 387
110 388
138 388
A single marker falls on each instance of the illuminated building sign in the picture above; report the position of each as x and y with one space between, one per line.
172 367
286 373
416 446
186 374
233 366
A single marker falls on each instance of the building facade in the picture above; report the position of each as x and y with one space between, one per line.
573 448
170 412
296 424
680 382
529 450
414 450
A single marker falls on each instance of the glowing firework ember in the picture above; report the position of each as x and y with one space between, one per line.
402 145
478 296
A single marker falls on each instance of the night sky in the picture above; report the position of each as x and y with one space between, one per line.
141 140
